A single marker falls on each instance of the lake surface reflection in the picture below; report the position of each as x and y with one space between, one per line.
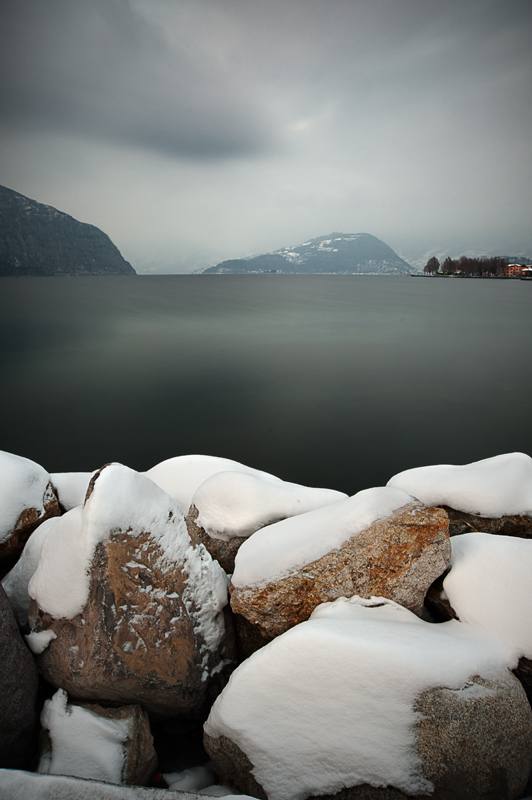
336 381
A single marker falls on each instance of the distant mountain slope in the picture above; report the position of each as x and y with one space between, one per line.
36 239
337 253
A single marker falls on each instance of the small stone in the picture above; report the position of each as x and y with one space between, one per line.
75 749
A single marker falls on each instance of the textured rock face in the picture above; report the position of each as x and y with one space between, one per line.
18 688
476 741
36 239
223 551
151 629
135 641
398 557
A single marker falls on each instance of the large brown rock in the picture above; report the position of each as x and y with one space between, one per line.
71 731
18 689
398 557
27 498
151 628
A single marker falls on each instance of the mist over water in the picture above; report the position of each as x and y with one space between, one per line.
336 381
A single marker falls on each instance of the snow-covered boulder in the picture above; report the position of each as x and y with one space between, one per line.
125 607
90 741
494 487
18 688
182 476
378 542
16 581
27 498
489 586
230 506
364 696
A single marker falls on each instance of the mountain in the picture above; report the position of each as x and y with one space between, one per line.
36 239
337 253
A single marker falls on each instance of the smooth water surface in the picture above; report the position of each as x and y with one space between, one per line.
336 381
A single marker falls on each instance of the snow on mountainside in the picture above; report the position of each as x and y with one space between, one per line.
337 253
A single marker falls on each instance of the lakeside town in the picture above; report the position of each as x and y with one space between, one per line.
466 267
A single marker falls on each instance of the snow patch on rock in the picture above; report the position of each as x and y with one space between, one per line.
23 485
84 744
71 487
16 581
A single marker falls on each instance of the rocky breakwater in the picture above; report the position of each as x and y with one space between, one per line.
347 685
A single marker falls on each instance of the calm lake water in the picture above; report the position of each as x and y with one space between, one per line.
336 381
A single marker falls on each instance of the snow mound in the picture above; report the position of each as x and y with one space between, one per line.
124 500
238 504
494 487
16 581
181 476
39 641
71 487
283 548
84 744
23 485
490 587
329 704
192 779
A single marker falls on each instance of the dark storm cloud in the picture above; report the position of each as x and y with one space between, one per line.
99 69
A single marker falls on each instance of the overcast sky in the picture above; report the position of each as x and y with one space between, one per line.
196 130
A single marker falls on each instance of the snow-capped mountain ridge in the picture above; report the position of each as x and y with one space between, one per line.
335 253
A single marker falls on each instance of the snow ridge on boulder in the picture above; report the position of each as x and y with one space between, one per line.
376 542
494 487
27 498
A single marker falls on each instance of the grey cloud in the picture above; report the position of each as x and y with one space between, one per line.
96 68
274 120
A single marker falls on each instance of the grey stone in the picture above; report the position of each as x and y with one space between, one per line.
18 689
